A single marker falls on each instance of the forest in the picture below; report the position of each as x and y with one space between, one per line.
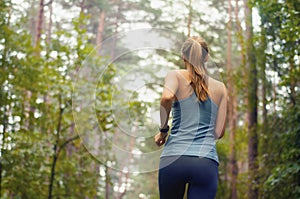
81 82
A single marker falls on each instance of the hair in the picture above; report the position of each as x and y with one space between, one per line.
194 51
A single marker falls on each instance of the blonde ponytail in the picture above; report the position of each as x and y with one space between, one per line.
194 51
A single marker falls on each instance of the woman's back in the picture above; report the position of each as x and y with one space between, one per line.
215 87
193 122
217 93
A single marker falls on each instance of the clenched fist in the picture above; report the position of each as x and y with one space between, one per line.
160 138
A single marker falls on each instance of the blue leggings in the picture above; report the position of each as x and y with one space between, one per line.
175 172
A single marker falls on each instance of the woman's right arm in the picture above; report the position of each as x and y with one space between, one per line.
221 116
168 95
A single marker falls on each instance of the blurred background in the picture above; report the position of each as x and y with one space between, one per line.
81 82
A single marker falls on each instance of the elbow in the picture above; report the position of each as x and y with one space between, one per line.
220 134
166 98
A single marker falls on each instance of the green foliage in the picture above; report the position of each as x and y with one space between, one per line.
36 104
37 127
283 148
279 140
223 151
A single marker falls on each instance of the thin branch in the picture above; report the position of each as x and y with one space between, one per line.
47 4
66 127
67 142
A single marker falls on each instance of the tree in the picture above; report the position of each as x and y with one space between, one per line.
231 107
252 105
280 166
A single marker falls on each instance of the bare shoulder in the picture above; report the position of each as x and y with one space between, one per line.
179 71
216 82
182 74
171 74
174 74
217 86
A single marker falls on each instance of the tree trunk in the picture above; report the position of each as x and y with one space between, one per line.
100 30
52 174
240 36
39 24
50 23
231 107
120 5
55 149
31 13
252 106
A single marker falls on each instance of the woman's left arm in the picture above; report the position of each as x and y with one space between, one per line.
168 95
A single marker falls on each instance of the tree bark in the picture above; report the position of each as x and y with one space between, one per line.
57 147
240 36
50 22
252 106
100 29
231 108
55 150
120 5
32 20
39 24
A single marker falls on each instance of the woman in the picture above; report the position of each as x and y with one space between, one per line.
198 105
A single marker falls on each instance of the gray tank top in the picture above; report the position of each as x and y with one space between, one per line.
192 131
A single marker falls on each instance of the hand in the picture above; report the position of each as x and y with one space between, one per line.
160 138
